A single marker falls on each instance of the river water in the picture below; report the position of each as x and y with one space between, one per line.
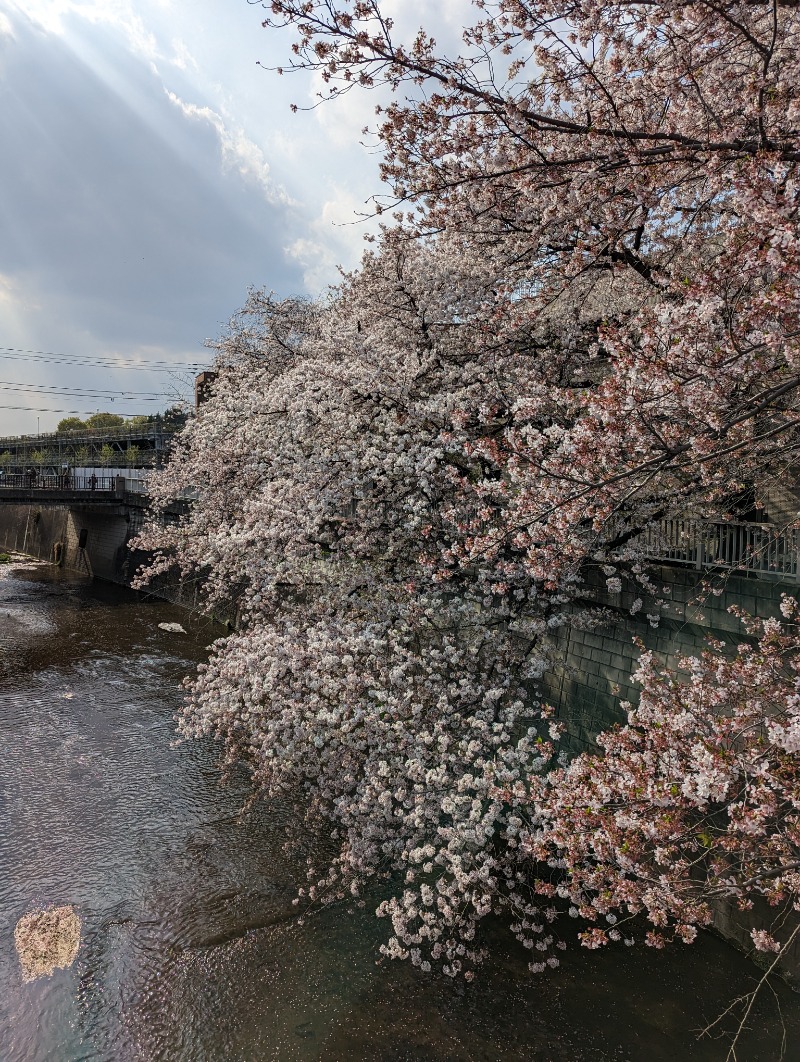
191 948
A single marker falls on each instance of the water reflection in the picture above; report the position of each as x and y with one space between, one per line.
191 948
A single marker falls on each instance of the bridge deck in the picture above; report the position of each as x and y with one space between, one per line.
69 495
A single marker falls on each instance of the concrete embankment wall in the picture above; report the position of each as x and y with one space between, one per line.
54 533
93 541
594 667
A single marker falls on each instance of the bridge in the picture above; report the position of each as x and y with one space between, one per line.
82 522
76 498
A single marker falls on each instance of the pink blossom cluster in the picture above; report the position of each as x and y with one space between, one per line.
695 800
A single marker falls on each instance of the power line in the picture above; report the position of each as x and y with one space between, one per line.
78 360
100 398
81 412
96 364
88 357
93 391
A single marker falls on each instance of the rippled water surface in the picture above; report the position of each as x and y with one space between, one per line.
191 949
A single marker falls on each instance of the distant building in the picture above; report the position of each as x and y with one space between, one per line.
202 387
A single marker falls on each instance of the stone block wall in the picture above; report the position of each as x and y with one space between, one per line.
593 672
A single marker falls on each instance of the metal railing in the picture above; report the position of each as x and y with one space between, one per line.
759 548
70 482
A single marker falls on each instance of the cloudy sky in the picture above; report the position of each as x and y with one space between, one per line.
151 172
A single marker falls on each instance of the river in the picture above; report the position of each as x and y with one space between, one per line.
191 948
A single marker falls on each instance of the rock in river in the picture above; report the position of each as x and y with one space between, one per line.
47 940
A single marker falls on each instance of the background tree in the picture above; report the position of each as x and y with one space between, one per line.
142 420
99 421
174 417
108 455
70 424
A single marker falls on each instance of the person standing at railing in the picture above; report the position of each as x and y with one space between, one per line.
93 481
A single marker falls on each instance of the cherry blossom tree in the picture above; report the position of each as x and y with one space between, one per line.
326 477
581 319
657 141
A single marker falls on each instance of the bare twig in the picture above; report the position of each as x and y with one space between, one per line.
750 998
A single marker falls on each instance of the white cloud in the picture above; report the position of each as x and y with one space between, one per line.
141 34
181 56
344 119
13 295
443 21
239 153
336 238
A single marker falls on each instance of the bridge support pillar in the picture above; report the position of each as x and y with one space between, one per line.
88 539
